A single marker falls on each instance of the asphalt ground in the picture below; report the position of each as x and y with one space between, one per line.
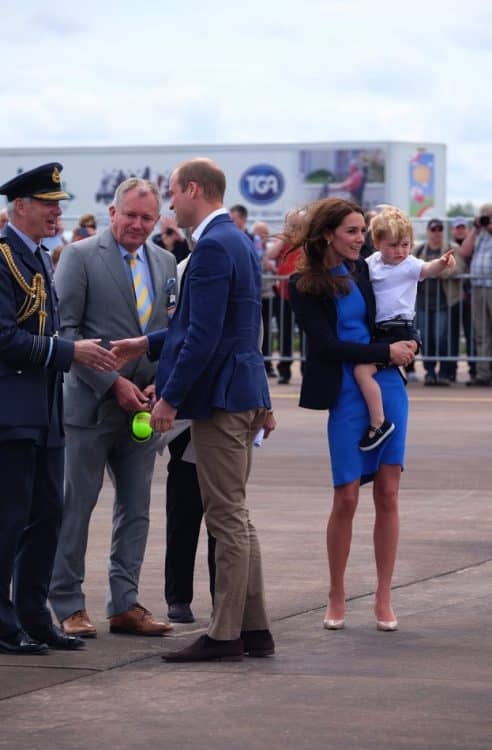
427 686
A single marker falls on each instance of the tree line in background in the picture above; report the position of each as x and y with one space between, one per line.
462 209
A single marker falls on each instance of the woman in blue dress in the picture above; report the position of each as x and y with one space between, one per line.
334 305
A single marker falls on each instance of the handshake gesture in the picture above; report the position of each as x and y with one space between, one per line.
90 353
125 350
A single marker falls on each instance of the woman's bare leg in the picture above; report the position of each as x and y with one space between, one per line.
338 539
386 532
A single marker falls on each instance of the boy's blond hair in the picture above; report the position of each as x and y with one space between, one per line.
390 224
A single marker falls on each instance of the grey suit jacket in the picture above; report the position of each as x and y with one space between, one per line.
97 301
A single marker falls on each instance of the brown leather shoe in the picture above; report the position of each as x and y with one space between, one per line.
138 621
79 624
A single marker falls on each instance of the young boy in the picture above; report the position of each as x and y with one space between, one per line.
394 274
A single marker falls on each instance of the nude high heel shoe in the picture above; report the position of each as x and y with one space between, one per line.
388 626
333 624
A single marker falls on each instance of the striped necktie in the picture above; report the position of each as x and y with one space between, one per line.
144 304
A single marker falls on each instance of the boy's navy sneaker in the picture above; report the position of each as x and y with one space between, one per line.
376 435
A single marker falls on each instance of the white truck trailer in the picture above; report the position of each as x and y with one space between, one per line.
268 179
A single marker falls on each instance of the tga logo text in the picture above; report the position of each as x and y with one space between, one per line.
262 184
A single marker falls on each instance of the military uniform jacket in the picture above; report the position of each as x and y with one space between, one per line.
30 377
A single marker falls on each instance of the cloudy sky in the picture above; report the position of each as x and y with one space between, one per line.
261 71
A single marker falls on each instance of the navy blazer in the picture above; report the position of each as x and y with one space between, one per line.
30 393
325 353
209 355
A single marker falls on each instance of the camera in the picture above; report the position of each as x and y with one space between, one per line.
481 222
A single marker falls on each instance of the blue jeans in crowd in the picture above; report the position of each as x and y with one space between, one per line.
439 330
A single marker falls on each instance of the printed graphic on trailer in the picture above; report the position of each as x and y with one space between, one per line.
421 176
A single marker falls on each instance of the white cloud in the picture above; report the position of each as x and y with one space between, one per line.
118 73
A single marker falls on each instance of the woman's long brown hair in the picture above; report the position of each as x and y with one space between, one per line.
314 265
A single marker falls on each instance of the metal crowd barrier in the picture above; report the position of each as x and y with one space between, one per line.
450 317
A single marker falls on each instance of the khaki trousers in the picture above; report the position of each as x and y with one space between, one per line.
223 446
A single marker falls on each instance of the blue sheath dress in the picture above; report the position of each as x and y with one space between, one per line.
349 417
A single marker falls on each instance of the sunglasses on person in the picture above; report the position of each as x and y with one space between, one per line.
436 228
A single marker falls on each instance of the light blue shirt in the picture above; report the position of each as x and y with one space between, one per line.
481 261
25 239
143 267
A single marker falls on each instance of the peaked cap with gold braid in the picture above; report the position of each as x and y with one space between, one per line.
43 183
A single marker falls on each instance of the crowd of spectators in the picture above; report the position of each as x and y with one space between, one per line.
457 305
453 307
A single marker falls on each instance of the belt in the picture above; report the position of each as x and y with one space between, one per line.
386 324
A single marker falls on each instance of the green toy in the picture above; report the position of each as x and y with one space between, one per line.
140 427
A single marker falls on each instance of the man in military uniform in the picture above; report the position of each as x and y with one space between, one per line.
32 358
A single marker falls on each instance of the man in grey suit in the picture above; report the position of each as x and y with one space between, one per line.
113 285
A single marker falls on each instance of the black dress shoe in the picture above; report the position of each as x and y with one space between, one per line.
478 382
179 612
208 649
258 642
283 380
55 638
442 381
22 644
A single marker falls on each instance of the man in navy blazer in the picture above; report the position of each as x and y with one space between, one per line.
32 359
211 371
